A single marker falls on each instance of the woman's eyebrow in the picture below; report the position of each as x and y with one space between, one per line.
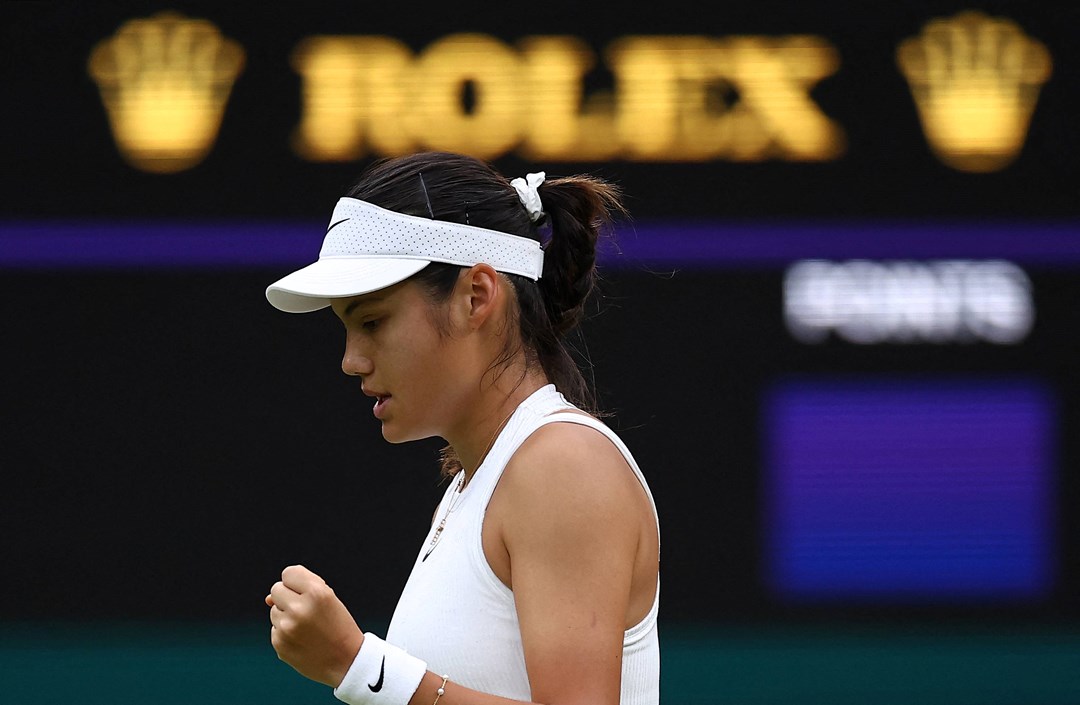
375 298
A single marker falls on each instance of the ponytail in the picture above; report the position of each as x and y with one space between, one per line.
577 208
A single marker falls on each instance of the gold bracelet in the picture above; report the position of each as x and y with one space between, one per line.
441 691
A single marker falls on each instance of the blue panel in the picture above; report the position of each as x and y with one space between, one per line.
909 490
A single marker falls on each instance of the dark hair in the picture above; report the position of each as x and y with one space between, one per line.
462 189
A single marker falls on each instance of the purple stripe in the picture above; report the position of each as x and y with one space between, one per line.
705 245
720 245
124 245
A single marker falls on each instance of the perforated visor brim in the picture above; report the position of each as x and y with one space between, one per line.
311 288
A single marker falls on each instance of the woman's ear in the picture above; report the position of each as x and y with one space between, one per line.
479 294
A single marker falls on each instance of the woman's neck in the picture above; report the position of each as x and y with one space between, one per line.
493 410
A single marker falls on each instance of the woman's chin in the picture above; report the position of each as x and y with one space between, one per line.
396 434
391 435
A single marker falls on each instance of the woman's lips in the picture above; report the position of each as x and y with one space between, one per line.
380 405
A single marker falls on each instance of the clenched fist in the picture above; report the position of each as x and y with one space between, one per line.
312 630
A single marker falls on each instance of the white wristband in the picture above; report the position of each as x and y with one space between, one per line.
381 674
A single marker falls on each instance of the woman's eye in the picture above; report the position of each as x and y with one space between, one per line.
371 325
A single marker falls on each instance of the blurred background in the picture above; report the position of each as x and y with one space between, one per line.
839 332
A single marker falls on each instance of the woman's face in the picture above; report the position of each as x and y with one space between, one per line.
417 376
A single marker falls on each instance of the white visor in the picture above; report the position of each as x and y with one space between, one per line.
368 248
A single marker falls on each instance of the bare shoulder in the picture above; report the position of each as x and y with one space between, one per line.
570 511
571 464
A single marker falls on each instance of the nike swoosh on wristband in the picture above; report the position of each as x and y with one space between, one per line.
382 672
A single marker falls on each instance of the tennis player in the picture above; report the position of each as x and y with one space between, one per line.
539 578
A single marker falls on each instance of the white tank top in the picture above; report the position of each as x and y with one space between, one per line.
458 616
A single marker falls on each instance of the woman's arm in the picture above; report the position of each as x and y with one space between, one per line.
568 509
568 514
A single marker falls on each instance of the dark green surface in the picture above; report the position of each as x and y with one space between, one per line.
924 665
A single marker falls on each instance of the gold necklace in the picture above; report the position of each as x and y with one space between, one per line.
456 497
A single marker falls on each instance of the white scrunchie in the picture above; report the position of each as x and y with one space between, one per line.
529 192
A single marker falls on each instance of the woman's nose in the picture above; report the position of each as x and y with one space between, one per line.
354 363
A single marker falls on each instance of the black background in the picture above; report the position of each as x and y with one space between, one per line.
176 441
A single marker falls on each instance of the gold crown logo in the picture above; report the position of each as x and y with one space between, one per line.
165 81
975 80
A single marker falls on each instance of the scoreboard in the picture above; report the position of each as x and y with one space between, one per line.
839 333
